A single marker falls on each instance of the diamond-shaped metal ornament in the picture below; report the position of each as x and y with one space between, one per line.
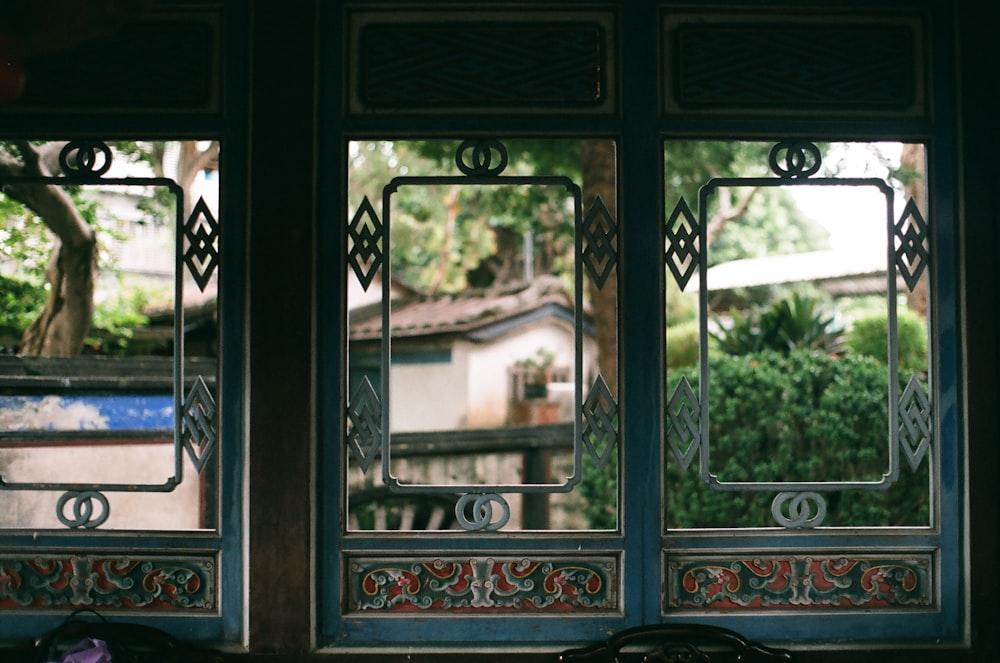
365 234
681 232
914 423
600 432
683 434
198 424
599 234
202 234
911 253
364 415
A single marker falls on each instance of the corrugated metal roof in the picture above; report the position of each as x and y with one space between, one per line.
815 266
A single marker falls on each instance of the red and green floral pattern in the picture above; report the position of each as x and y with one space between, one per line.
108 582
799 582
487 584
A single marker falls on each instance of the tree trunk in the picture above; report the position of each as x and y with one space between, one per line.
599 171
912 160
192 161
60 328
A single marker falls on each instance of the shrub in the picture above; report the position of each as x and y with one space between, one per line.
787 324
599 490
683 345
868 336
20 302
804 416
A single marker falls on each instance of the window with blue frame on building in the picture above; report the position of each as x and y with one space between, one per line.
797 393
493 348
544 414
109 377
798 380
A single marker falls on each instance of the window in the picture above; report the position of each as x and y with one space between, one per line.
487 407
110 387
779 439
801 395
493 351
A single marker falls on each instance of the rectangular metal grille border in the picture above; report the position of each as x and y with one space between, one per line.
169 64
448 62
794 65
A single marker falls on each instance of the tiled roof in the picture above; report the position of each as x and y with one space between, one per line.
460 313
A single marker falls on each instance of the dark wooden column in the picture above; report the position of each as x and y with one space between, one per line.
281 203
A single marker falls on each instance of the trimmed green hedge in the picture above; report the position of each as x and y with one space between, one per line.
803 416
868 335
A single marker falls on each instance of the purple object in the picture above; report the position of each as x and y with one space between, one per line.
88 650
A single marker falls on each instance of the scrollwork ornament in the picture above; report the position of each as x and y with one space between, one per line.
85 158
801 159
804 510
84 514
475 512
481 157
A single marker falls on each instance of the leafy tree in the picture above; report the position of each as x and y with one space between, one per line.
37 218
63 323
446 239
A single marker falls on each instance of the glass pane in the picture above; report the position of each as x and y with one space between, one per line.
92 301
497 286
809 345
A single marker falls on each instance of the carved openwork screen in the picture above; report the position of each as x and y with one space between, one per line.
481 336
109 256
797 339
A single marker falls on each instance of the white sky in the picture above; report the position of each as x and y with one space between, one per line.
854 216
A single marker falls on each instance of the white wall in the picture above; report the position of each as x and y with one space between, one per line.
473 390
429 396
143 463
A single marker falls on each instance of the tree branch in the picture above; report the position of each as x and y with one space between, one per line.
62 325
727 212
49 201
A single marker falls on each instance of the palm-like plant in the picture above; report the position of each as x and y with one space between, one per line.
799 322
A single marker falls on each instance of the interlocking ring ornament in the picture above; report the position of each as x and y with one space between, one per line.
476 157
79 158
481 511
805 509
83 509
801 159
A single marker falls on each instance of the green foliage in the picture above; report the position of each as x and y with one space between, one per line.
800 416
436 252
831 425
599 490
20 302
771 223
26 245
688 164
796 322
442 233
681 306
869 336
115 320
539 363
24 241
683 345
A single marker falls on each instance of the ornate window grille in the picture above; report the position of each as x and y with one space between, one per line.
143 457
